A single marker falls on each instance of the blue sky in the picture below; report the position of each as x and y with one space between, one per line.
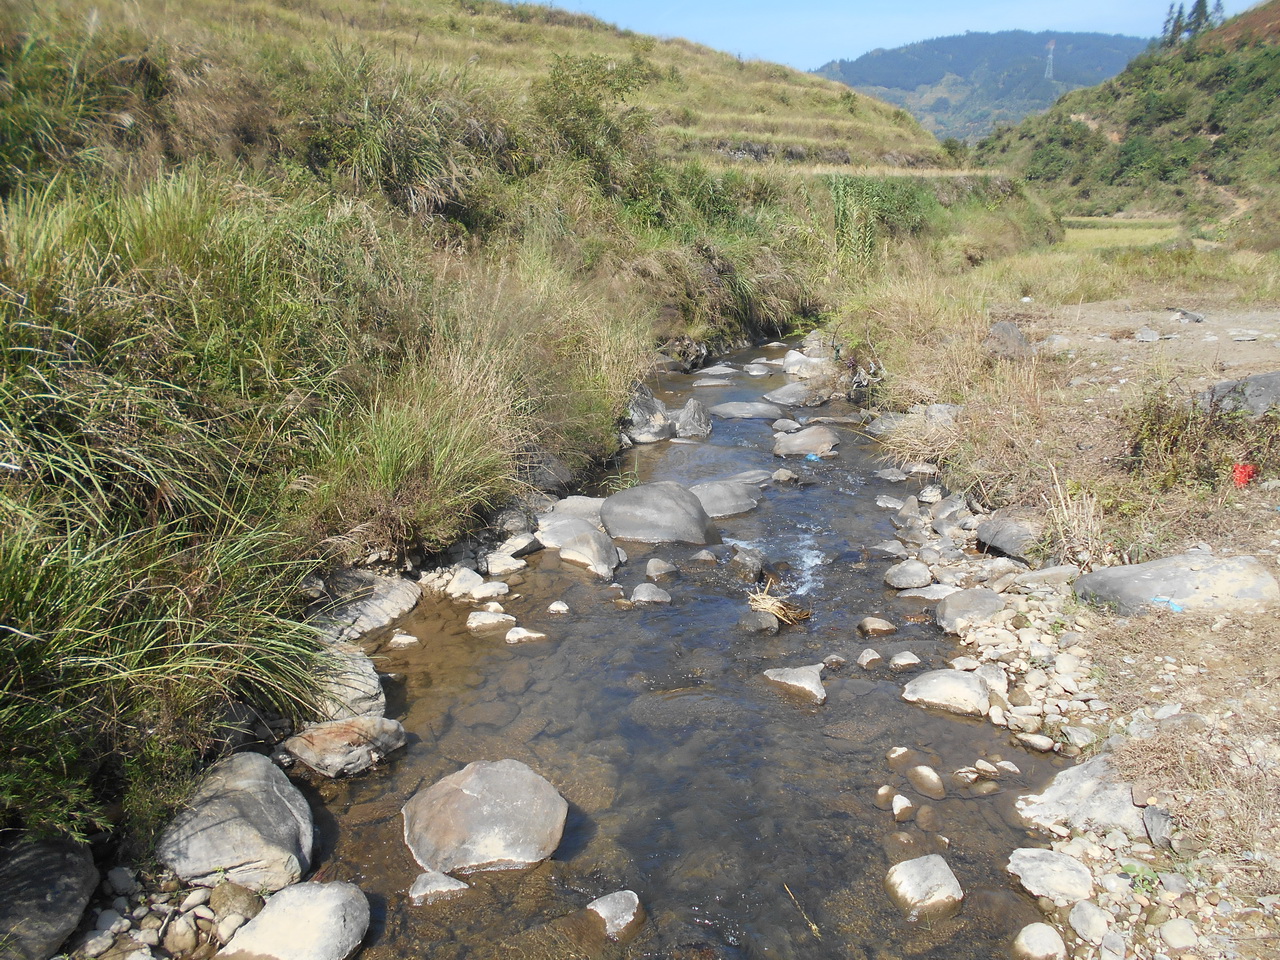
808 33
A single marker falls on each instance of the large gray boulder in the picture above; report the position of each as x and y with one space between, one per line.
967 606
245 823
693 421
819 441
360 605
748 410
310 921
662 512
726 498
44 888
647 418
1090 796
1255 395
951 690
488 816
1194 582
1013 531
349 686
1004 339
341 748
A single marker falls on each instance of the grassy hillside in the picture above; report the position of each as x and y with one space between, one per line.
965 86
1193 130
287 285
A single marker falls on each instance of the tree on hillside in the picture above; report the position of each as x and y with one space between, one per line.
1219 16
1199 19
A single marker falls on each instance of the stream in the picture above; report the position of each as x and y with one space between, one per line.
742 815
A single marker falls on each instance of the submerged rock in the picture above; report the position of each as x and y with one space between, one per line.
245 823
748 410
495 815
621 913
432 886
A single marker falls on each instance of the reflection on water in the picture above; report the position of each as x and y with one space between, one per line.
742 816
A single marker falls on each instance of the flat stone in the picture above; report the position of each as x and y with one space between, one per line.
950 690
748 410
1039 941
926 781
483 621
868 658
521 635
657 569
350 686
933 592
245 823
806 680
1192 582
342 748
502 565
590 548
464 580
1046 873
875 627
488 816
759 621
924 888
432 886
1089 796
797 364
800 394
1012 531
1179 933
903 660
1255 395
973 606
308 921
44 887
662 512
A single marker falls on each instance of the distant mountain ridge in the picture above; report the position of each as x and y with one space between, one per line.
967 85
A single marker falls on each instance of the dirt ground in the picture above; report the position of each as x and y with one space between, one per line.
1215 763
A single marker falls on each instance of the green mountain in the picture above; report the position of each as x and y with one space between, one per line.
966 86
1190 128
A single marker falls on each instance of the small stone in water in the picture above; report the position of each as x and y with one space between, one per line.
558 606
521 635
875 627
904 660
868 658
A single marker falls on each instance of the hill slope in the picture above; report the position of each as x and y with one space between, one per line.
965 86
1193 129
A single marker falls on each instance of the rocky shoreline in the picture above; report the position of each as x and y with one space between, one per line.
1116 880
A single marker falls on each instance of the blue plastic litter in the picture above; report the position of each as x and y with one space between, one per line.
812 456
1168 602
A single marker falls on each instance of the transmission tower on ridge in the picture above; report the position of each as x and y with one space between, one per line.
1048 64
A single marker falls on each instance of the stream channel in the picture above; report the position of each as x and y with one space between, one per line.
741 814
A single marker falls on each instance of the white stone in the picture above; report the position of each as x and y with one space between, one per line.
649 593
903 809
482 621
950 690
1039 941
307 921
463 583
1179 933
501 565
807 680
521 635
619 910
558 607
1090 921
868 658
924 888
1046 873
904 660
432 885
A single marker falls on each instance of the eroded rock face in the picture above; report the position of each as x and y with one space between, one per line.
662 512
647 417
44 888
245 823
488 816
1191 582
342 748
310 921
693 421
360 604
350 687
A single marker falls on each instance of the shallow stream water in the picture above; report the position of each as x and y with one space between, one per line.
742 815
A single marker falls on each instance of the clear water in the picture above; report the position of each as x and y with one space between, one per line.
743 817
